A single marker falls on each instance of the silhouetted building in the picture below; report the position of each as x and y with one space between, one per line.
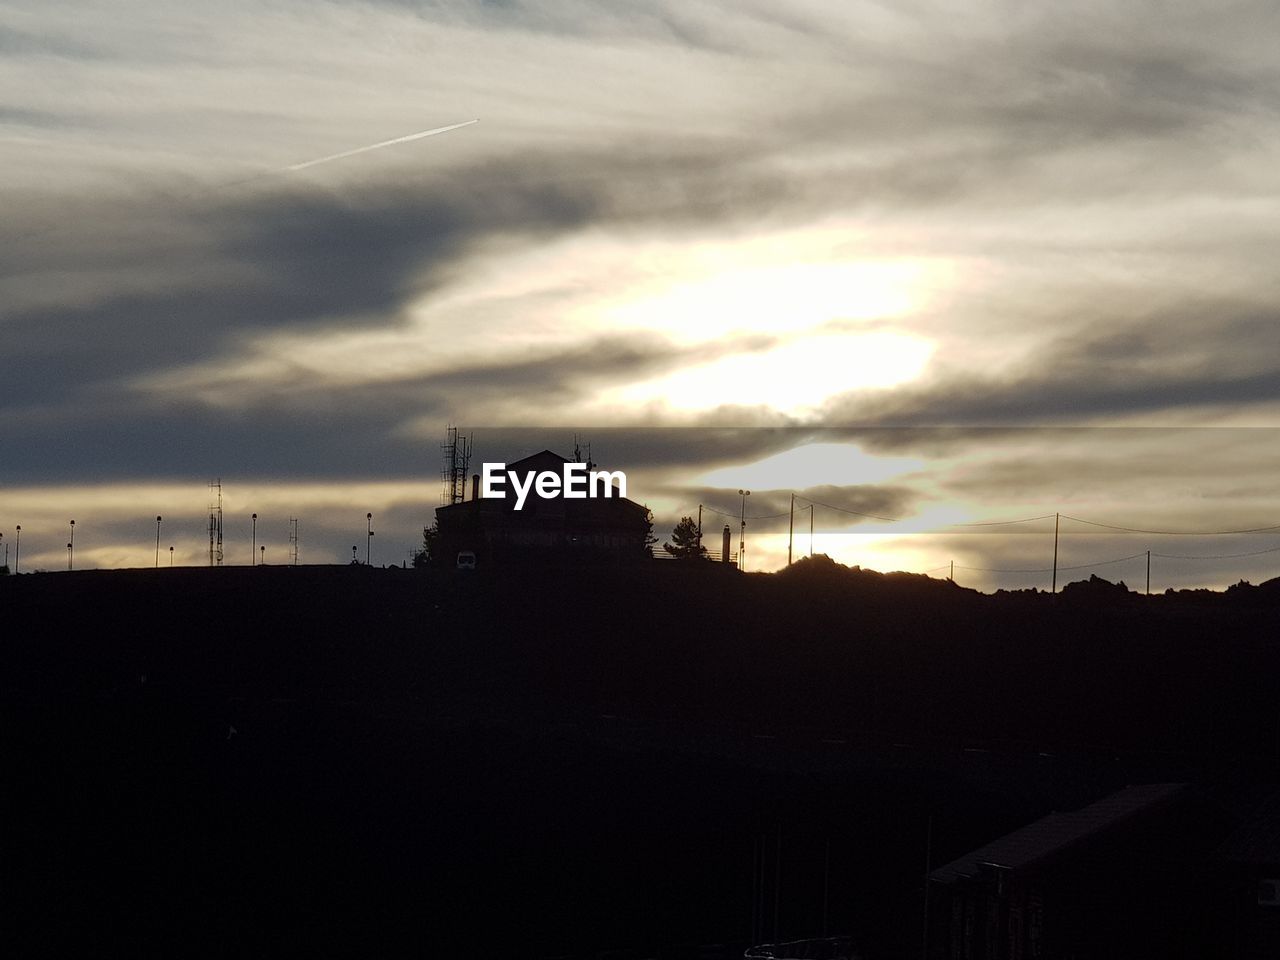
1126 876
1250 858
596 529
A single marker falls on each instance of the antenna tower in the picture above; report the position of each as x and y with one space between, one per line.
456 451
215 523
577 452
293 540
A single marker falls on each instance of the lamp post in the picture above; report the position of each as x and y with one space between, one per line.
368 540
17 549
742 534
253 551
71 547
263 549
158 519
171 556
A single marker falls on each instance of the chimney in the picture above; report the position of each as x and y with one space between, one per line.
475 486
726 539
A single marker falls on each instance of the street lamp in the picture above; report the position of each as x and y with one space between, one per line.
263 548
742 535
253 550
17 549
71 547
158 519
171 556
368 540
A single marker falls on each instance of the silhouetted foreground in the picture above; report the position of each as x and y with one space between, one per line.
566 761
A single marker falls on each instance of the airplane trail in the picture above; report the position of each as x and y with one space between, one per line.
267 175
376 146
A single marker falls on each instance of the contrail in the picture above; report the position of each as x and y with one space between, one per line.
269 174
377 146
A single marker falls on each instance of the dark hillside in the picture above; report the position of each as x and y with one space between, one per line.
400 761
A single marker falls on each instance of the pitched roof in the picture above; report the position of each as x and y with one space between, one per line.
532 461
1050 835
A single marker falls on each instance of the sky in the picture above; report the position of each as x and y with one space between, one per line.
942 263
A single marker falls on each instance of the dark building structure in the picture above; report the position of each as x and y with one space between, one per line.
1128 876
1250 860
591 529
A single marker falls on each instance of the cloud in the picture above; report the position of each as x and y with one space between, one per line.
1088 178
1207 356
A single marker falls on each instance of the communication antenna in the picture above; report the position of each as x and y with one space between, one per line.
456 451
577 452
293 540
215 523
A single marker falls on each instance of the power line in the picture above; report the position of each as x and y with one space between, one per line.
856 513
1022 520
1216 556
1079 566
1000 523
734 516
1174 533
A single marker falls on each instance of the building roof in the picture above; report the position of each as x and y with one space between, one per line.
1037 842
1258 841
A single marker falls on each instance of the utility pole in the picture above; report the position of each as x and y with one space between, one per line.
1148 573
742 534
17 549
1054 587
811 531
368 540
699 529
952 576
253 547
791 528
158 519
777 882
928 864
826 883
71 547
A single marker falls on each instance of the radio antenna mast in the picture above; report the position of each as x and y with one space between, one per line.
215 523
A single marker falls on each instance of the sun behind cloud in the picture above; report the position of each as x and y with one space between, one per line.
794 377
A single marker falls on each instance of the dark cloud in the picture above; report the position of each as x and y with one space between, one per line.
1214 355
331 433
838 507
289 260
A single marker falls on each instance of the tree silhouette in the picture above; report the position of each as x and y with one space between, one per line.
649 538
430 541
686 545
